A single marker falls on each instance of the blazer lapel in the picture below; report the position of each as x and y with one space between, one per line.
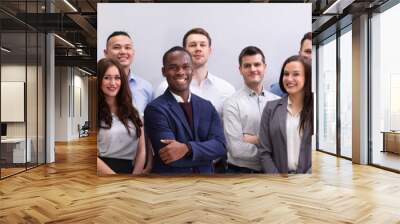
179 112
282 114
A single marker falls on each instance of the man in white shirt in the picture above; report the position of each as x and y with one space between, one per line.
242 113
198 43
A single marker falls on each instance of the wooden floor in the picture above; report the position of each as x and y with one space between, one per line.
70 192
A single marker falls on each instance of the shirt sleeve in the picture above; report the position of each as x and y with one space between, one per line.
234 133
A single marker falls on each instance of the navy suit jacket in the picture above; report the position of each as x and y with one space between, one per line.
164 118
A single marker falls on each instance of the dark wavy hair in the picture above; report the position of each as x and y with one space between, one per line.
307 113
126 111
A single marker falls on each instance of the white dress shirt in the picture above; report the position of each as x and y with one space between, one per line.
293 137
179 99
213 89
241 115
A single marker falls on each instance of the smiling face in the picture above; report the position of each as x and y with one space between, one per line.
252 69
178 72
120 48
294 77
111 82
199 48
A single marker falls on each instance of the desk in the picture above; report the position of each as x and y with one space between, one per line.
15 148
391 141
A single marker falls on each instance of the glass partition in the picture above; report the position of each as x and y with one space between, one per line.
22 77
13 95
346 93
327 96
385 89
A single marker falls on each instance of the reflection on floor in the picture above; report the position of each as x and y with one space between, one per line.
10 169
386 159
346 152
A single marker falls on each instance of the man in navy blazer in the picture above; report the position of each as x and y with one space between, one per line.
184 129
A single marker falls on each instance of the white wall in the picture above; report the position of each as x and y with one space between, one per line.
276 28
33 126
70 83
16 73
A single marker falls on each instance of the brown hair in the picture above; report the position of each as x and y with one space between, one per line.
196 31
250 51
307 113
307 36
126 111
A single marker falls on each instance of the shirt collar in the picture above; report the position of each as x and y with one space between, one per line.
179 99
289 108
210 78
208 81
251 92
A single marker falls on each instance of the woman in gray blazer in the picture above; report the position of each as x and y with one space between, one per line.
287 124
120 138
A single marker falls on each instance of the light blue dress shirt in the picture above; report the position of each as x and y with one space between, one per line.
276 89
142 92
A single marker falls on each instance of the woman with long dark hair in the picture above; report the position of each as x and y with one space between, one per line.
120 141
287 124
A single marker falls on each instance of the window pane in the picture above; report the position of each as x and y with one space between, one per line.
327 97
346 94
385 84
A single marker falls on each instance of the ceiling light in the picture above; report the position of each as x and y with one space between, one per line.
337 7
84 71
5 50
65 41
70 5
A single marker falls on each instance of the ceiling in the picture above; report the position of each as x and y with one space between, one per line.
76 22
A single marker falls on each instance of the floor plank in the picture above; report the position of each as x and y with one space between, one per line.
69 191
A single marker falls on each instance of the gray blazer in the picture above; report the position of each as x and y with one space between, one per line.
273 148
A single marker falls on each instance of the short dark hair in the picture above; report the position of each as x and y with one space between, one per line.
118 33
250 50
307 36
173 49
197 30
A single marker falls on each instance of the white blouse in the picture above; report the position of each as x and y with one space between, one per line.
116 142
293 137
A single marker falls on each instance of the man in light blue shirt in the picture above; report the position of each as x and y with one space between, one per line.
305 51
120 48
142 92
